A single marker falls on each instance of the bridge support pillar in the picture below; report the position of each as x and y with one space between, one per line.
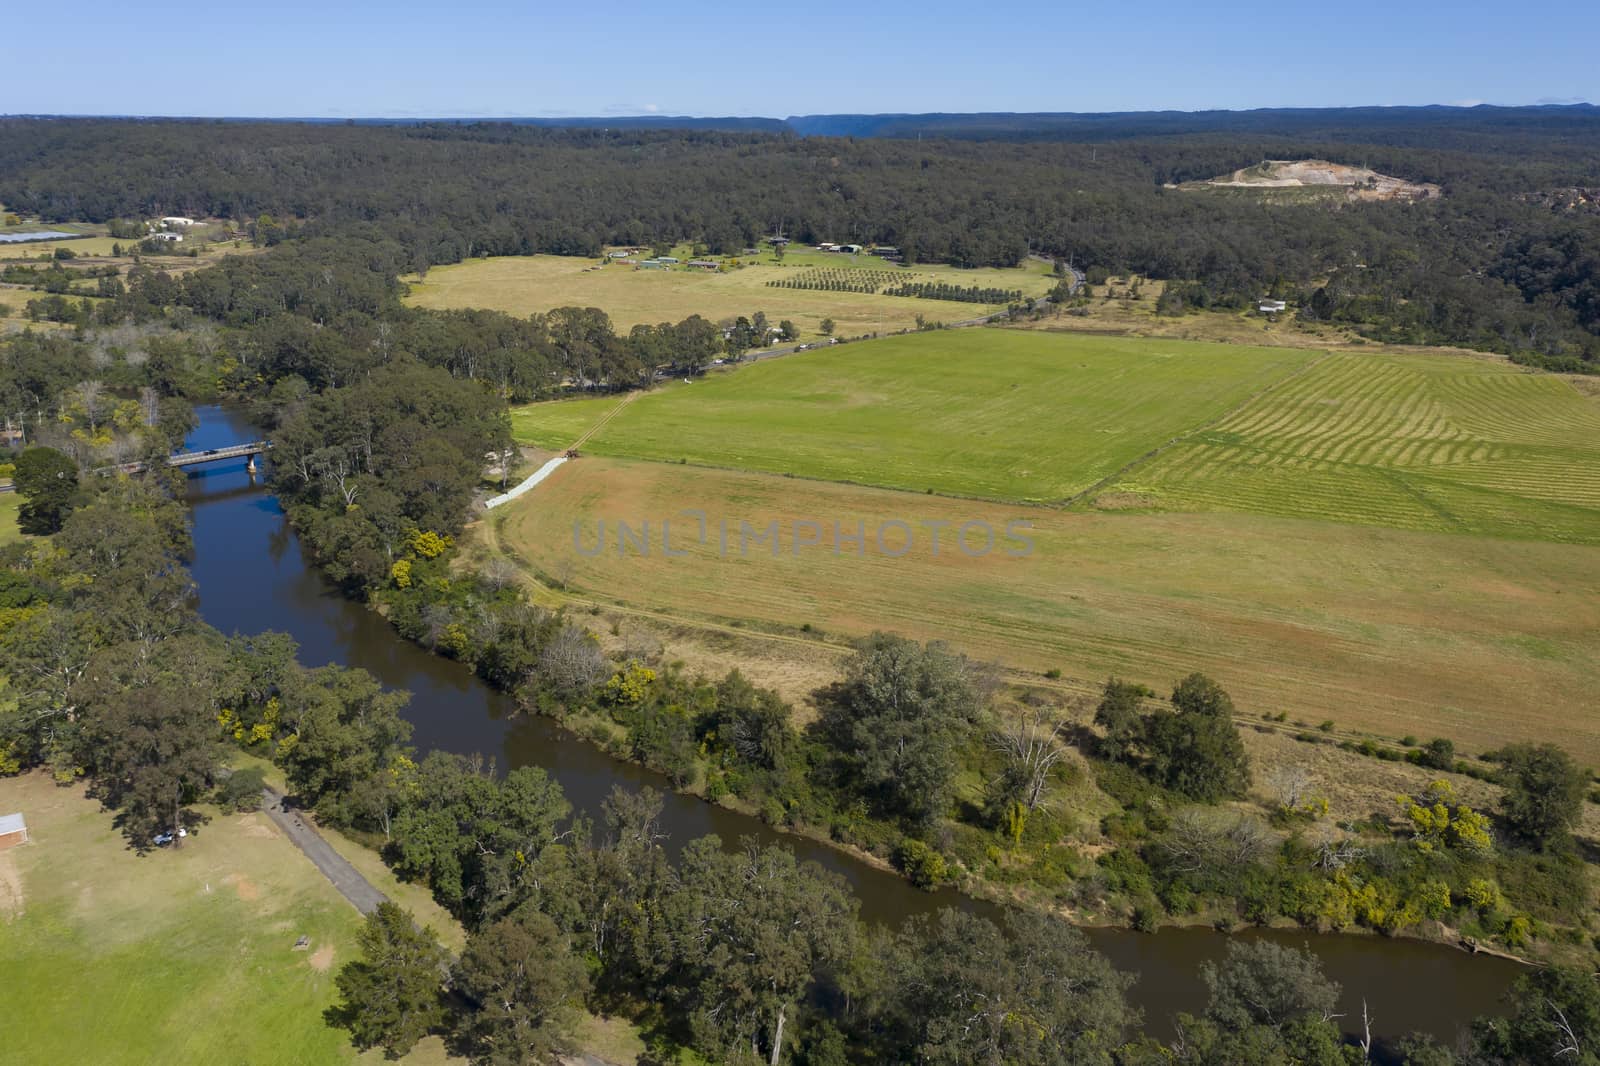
251 465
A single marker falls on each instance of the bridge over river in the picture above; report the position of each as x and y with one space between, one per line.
196 458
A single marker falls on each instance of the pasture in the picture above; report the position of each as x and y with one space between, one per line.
1407 441
1481 639
1000 414
82 246
1411 442
522 285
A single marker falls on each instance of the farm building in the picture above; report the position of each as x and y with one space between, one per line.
827 246
13 831
886 251
652 264
619 254
669 260
174 221
849 249
704 264
1271 307
173 237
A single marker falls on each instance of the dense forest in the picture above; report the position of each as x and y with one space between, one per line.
1501 261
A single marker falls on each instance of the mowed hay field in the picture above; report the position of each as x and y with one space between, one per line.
1482 639
1412 442
1001 414
181 955
522 285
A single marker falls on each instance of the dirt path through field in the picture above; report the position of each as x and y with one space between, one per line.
627 398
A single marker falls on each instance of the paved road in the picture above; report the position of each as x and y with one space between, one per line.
348 880
351 885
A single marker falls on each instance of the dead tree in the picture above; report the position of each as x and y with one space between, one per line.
1032 742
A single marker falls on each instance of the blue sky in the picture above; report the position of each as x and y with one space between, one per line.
405 58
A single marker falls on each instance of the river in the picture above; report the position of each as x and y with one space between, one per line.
252 577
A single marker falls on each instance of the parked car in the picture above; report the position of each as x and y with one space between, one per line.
164 838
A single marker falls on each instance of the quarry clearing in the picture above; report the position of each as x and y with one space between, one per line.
1361 183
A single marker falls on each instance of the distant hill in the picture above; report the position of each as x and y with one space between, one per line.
1437 125
1118 125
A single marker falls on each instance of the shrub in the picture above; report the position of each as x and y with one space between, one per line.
1483 894
922 864
1437 754
1433 899
241 791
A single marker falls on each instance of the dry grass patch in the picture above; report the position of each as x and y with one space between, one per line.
522 285
1391 631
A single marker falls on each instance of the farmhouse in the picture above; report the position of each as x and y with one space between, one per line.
166 237
704 264
1271 307
13 831
620 254
827 246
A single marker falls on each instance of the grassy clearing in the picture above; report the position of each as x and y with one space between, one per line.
82 246
9 504
178 956
999 414
1481 639
522 285
1414 442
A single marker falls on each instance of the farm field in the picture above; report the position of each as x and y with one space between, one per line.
1396 631
1002 414
1410 442
82 246
176 956
522 285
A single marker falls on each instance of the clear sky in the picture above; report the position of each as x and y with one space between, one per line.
403 58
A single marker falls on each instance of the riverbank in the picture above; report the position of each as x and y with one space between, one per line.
252 576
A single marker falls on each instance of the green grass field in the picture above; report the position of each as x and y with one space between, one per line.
1401 542
188 955
177 956
1421 442
522 285
1000 414
1428 442
9 502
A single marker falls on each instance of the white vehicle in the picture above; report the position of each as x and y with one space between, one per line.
164 838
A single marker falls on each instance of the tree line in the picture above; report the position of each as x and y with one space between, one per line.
1491 264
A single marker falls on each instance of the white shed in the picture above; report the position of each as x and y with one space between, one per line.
13 831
